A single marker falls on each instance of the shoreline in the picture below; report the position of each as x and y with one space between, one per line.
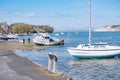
15 65
16 45
23 69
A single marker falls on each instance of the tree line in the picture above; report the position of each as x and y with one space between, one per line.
27 28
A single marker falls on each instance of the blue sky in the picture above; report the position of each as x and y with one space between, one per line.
63 15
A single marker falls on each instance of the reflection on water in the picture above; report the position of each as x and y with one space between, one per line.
104 69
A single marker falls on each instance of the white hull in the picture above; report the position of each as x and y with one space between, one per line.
12 36
85 52
47 40
50 43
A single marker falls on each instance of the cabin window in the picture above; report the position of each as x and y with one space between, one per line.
46 37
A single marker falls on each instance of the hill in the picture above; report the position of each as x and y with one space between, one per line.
112 28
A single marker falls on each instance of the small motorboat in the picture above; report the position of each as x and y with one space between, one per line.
7 36
47 40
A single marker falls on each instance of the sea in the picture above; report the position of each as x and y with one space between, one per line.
78 69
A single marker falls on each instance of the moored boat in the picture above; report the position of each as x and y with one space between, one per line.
101 51
12 36
94 51
47 40
7 36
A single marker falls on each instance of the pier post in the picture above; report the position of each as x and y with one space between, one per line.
52 62
55 64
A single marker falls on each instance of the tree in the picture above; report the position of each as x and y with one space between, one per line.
27 28
21 28
47 28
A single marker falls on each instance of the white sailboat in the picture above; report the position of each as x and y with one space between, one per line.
93 51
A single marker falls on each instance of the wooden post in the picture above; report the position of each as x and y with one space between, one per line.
55 64
52 62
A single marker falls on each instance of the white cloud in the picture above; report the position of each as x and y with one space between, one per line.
30 15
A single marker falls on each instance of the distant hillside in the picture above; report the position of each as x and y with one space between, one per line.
112 28
24 28
1 30
3 27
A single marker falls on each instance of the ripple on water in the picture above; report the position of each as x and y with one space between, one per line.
104 69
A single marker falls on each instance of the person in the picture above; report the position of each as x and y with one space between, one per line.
28 40
23 41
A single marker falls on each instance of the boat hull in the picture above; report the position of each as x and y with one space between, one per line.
41 43
79 53
50 43
44 40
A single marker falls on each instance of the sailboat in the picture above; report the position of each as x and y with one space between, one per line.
93 51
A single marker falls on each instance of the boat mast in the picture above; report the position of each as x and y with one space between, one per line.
90 37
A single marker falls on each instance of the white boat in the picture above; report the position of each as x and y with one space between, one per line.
61 33
93 51
8 36
56 34
83 51
47 40
12 36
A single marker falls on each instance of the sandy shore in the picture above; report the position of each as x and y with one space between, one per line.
14 67
16 45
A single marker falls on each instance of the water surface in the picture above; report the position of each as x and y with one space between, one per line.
80 69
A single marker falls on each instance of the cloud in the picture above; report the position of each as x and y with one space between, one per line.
30 15
63 15
56 15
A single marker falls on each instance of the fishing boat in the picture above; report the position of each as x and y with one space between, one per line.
46 40
93 51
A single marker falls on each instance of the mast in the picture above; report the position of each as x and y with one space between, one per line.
90 37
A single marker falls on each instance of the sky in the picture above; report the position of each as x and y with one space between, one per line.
62 15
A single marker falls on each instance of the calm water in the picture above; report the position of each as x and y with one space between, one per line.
79 69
